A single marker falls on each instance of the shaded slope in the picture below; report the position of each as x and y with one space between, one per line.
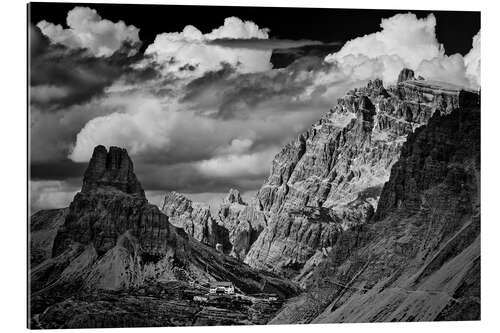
44 225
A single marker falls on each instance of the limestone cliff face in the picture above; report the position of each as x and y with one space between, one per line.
419 257
111 170
195 219
327 178
244 222
111 203
233 227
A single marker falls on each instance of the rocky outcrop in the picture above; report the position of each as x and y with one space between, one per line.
234 197
113 239
233 229
340 163
195 219
419 258
244 222
406 74
111 170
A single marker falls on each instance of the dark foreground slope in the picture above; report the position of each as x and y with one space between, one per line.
418 259
110 243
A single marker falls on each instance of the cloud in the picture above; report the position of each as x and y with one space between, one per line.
402 35
61 77
46 93
52 134
167 130
68 88
50 194
265 44
236 146
235 28
238 165
87 30
226 94
451 69
472 61
138 125
190 52
404 41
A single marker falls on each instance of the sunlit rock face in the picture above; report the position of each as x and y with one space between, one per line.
330 177
232 227
419 257
243 221
196 220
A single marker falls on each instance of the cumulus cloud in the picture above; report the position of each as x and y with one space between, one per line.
169 131
473 61
191 52
53 133
50 194
237 146
87 30
450 69
235 28
139 125
404 41
403 35
238 165
61 77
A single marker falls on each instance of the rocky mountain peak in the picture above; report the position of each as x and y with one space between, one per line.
406 74
330 177
234 196
366 113
377 88
111 169
175 203
367 108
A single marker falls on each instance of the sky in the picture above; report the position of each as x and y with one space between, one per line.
204 97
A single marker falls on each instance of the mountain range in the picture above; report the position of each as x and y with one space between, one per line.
373 214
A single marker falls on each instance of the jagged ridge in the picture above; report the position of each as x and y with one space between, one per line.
419 258
339 166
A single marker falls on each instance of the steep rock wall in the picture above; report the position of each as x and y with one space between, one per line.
325 180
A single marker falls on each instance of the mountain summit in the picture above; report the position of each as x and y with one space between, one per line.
113 169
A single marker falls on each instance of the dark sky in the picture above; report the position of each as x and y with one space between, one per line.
454 29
